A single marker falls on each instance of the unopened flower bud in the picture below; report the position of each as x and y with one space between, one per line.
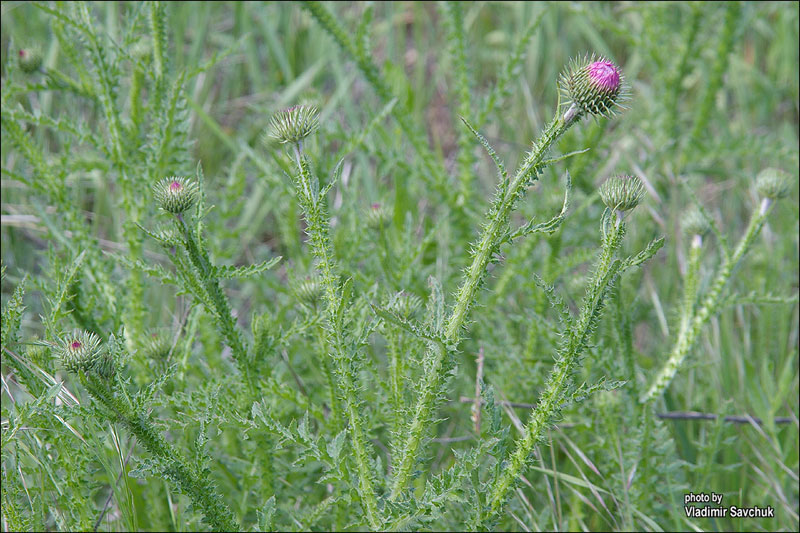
593 86
80 351
773 183
694 223
30 59
141 50
405 304
309 291
157 346
378 216
622 193
294 124
176 195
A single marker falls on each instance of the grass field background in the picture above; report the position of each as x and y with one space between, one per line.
714 100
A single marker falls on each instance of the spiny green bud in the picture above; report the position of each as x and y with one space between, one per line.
694 223
405 304
294 124
141 50
622 193
82 351
30 59
176 195
158 345
378 216
774 183
309 291
593 86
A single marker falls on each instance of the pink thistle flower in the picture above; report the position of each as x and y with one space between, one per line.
593 86
605 75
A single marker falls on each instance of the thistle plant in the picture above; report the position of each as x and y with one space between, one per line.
292 126
771 184
619 193
177 197
449 344
83 353
592 88
622 193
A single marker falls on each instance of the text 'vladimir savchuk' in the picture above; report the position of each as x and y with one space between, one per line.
721 512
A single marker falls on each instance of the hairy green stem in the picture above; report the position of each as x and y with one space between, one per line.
137 78
317 229
552 397
488 245
396 374
691 280
329 378
694 323
199 258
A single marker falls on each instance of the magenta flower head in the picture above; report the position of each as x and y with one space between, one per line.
594 86
175 194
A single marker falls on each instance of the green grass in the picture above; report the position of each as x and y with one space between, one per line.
714 100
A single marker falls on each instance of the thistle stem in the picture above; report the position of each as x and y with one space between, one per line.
489 242
695 321
558 382
199 258
317 229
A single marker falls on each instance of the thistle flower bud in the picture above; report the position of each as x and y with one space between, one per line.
694 223
405 304
294 124
593 86
82 351
309 292
141 50
622 193
378 216
157 346
30 59
176 195
773 183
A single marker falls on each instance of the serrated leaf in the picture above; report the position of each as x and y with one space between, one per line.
654 246
546 227
266 515
436 309
231 272
335 446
